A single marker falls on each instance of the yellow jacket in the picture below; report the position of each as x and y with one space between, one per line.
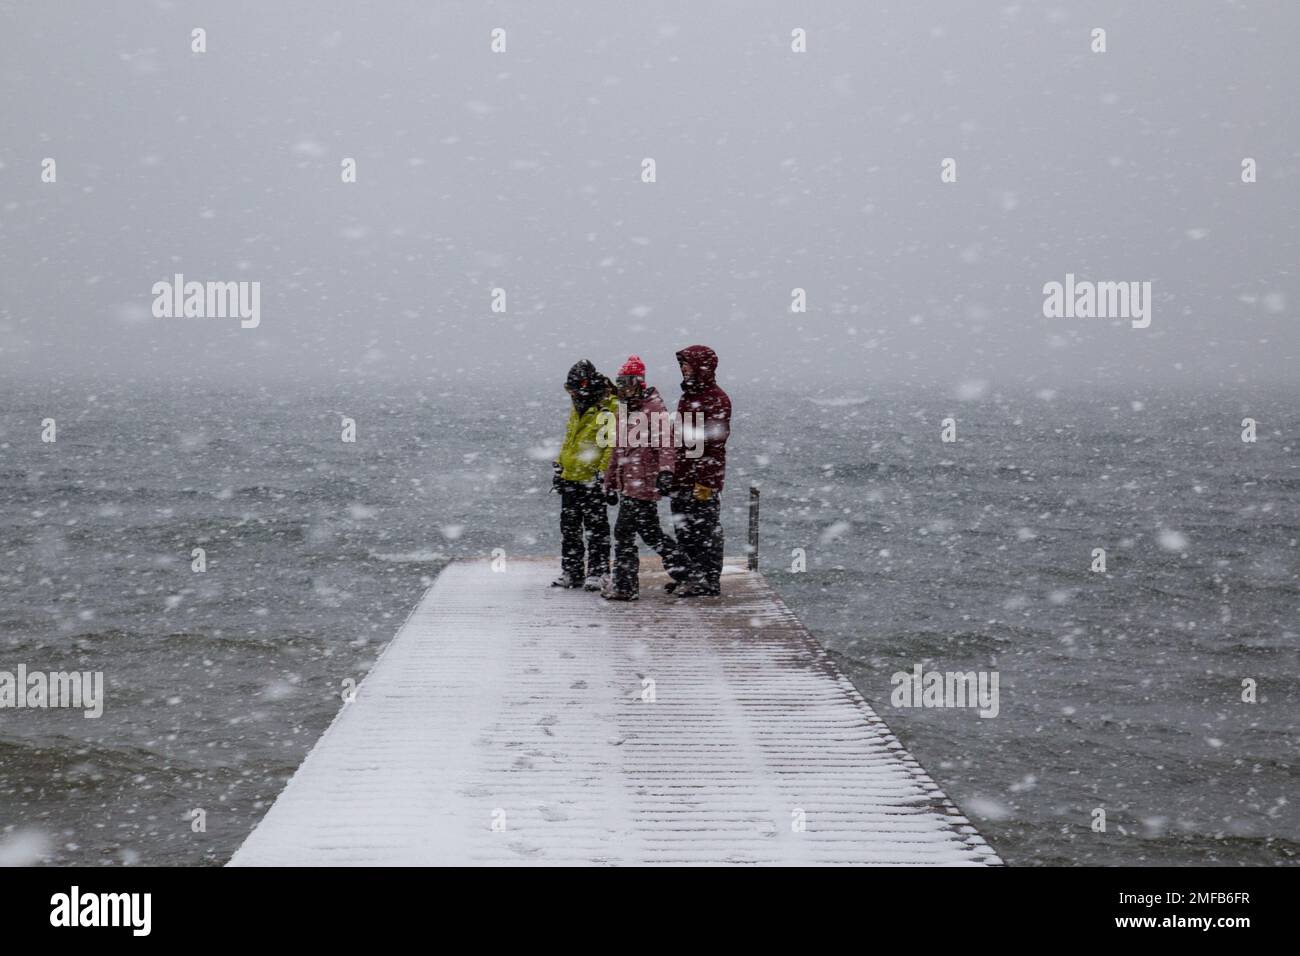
581 457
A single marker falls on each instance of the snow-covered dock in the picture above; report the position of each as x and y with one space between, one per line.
509 722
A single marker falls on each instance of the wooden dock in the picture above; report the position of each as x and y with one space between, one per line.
511 723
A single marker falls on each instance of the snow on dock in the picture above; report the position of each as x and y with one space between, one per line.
509 722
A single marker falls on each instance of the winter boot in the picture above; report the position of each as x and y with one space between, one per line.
696 590
610 593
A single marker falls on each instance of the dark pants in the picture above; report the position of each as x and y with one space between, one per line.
637 517
582 510
699 539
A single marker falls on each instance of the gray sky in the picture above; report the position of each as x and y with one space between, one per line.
775 170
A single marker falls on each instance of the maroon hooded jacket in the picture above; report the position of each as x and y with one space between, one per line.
700 393
636 460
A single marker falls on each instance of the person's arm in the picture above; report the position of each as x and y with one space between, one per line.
603 465
717 426
717 429
568 447
667 460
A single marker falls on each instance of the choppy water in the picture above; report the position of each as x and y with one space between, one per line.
1119 691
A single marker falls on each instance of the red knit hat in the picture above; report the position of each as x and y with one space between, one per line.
633 366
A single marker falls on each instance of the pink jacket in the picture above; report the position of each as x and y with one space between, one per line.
644 448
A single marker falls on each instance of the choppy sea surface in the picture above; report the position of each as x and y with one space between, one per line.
1120 690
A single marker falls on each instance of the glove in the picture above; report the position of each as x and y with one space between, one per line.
703 492
557 477
664 483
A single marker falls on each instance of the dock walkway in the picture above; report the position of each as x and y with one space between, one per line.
509 722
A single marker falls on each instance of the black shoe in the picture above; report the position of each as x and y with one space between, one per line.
671 586
697 590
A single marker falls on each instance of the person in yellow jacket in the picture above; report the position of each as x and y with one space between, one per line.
580 480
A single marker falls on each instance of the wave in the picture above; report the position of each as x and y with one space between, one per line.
410 557
841 402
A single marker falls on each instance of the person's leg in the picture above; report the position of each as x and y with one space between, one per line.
689 540
677 516
625 554
571 533
596 519
664 545
701 540
681 556
713 545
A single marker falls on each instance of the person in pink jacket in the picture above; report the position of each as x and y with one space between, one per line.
640 471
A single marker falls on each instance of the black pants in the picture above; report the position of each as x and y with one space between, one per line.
699 539
637 517
582 512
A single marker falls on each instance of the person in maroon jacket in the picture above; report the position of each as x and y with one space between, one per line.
697 482
640 470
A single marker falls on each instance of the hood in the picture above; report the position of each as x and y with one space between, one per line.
582 375
705 362
589 386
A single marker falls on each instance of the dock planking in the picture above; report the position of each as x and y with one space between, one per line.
511 723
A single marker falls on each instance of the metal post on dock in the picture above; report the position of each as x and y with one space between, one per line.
753 528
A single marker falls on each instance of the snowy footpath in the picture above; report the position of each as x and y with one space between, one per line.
509 722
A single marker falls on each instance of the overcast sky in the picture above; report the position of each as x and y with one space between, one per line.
775 170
